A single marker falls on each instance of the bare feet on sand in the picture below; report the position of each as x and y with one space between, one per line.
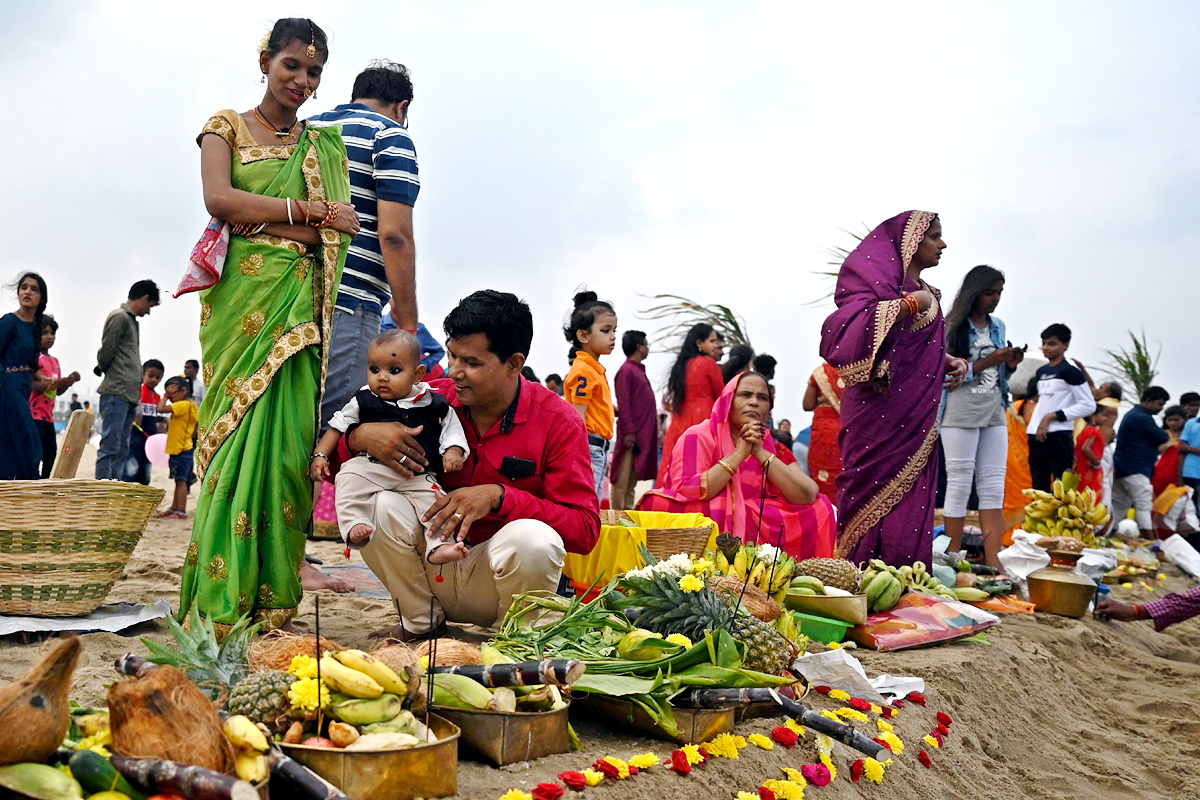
444 554
313 579
360 534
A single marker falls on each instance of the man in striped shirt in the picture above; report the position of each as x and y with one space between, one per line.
1175 607
381 262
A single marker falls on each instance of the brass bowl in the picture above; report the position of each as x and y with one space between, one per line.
506 738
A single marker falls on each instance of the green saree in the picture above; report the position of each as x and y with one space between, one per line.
264 332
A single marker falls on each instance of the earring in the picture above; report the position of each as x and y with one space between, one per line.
263 79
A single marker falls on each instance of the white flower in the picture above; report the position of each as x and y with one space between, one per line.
767 552
680 564
644 572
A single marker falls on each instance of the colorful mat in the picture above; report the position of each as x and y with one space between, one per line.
358 575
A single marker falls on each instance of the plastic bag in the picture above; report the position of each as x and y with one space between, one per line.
919 620
1182 554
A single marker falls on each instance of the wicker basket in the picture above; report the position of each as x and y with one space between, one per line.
664 542
63 544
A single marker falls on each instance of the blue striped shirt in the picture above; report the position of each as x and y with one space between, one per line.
383 164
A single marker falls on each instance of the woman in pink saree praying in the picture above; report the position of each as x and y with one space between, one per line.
887 340
720 467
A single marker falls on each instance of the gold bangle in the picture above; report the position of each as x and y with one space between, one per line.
767 461
725 467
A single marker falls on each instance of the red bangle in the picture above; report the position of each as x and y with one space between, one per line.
299 209
1141 612
913 307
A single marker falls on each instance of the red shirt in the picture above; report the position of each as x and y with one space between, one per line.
539 427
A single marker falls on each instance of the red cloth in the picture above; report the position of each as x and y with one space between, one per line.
637 415
1090 440
702 386
542 428
824 457
40 403
1166 471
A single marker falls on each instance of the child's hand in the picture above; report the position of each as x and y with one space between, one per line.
1043 427
1093 462
318 470
452 461
445 553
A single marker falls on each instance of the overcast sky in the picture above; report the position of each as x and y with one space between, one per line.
713 150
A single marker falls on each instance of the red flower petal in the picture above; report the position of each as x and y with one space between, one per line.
943 730
859 704
679 762
856 770
823 689
897 704
916 697
941 740
817 773
883 744
765 794
633 770
785 736
888 712
609 770
944 718
925 760
547 791
574 780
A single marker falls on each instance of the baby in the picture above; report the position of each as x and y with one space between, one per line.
395 392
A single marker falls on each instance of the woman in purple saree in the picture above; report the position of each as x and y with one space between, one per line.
888 343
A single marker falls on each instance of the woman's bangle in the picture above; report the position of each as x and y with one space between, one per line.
331 215
721 463
767 461
288 204
317 455
914 307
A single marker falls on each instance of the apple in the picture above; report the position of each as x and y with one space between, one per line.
319 741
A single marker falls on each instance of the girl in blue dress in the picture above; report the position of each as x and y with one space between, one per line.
20 447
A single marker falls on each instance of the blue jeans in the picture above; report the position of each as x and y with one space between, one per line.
116 419
599 465
354 326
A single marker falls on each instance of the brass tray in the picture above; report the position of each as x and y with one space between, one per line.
508 738
427 770
852 609
695 725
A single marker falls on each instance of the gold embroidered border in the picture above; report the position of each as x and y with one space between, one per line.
887 497
304 335
822 379
858 372
926 318
299 248
249 153
914 232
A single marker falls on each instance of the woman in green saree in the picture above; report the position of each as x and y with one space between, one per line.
267 270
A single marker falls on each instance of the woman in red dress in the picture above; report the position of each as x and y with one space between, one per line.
824 399
693 387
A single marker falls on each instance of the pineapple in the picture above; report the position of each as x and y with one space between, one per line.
215 668
263 698
832 572
668 609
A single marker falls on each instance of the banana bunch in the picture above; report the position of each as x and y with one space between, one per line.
923 581
1065 511
747 563
459 691
813 587
970 594
251 746
883 584
361 675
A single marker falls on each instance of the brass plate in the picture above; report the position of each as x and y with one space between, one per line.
508 738
695 725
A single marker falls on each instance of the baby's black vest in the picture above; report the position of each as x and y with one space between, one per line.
373 409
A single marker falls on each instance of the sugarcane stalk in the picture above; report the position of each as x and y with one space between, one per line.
725 698
299 779
522 673
168 777
834 730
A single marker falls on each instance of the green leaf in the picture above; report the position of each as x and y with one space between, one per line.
710 675
723 649
617 685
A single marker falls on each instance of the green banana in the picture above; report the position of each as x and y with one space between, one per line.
357 711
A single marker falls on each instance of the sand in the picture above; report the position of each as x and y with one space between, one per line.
1053 708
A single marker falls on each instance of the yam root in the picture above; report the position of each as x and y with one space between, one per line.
162 715
34 710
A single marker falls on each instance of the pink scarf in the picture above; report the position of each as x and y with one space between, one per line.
207 259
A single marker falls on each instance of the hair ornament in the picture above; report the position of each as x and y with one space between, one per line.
312 40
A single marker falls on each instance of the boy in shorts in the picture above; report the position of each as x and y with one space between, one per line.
180 437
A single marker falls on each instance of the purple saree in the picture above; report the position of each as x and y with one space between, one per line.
893 378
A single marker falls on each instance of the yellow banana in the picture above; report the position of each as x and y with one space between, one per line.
244 734
348 681
739 563
722 562
367 664
251 767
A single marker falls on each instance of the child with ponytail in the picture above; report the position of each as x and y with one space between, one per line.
592 332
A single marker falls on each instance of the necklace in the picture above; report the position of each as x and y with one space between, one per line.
281 134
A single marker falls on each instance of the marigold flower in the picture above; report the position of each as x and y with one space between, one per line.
690 583
797 727
758 740
932 742
621 767
644 761
679 762
824 744
838 694
785 736
592 777
679 638
547 791
850 713
883 725
516 794
747 796
702 566
873 769
819 774
859 704
303 666
573 779
785 790
893 742
721 746
915 697
856 771
608 769
944 718
883 744
831 715
795 777
739 741
822 689
303 695
943 730
834 645
876 709
925 760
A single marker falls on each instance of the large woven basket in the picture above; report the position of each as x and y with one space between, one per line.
664 542
63 544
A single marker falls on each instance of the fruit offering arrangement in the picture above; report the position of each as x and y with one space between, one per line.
828 577
1066 511
767 567
884 584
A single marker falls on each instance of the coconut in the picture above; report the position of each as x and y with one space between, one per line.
450 652
34 713
755 600
276 649
164 715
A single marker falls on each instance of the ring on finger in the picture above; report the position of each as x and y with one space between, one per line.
403 459
458 517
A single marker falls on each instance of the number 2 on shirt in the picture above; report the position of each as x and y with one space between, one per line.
581 387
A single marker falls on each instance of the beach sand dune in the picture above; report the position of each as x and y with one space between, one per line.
1052 708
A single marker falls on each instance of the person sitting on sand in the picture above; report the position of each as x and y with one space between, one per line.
395 392
524 497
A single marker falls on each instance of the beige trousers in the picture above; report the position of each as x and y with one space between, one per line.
361 480
624 485
523 556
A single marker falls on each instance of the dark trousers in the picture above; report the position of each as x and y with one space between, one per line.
137 467
49 439
1050 459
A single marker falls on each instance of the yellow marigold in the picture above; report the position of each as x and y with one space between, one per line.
303 666
796 728
784 790
824 743
747 796
758 740
884 725
834 645
876 709
722 746
740 741
622 767
932 742
828 762
838 694
873 769
425 663
679 638
893 741
851 713
98 743
692 751
516 794
702 566
690 583
592 777
831 715
644 761
303 695
795 776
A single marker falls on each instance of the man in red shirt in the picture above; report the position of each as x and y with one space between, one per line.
524 497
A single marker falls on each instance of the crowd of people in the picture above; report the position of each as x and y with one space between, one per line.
466 484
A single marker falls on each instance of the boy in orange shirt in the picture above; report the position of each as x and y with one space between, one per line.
592 332
180 440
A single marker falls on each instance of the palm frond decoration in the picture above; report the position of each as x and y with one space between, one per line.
837 256
1134 366
679 314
